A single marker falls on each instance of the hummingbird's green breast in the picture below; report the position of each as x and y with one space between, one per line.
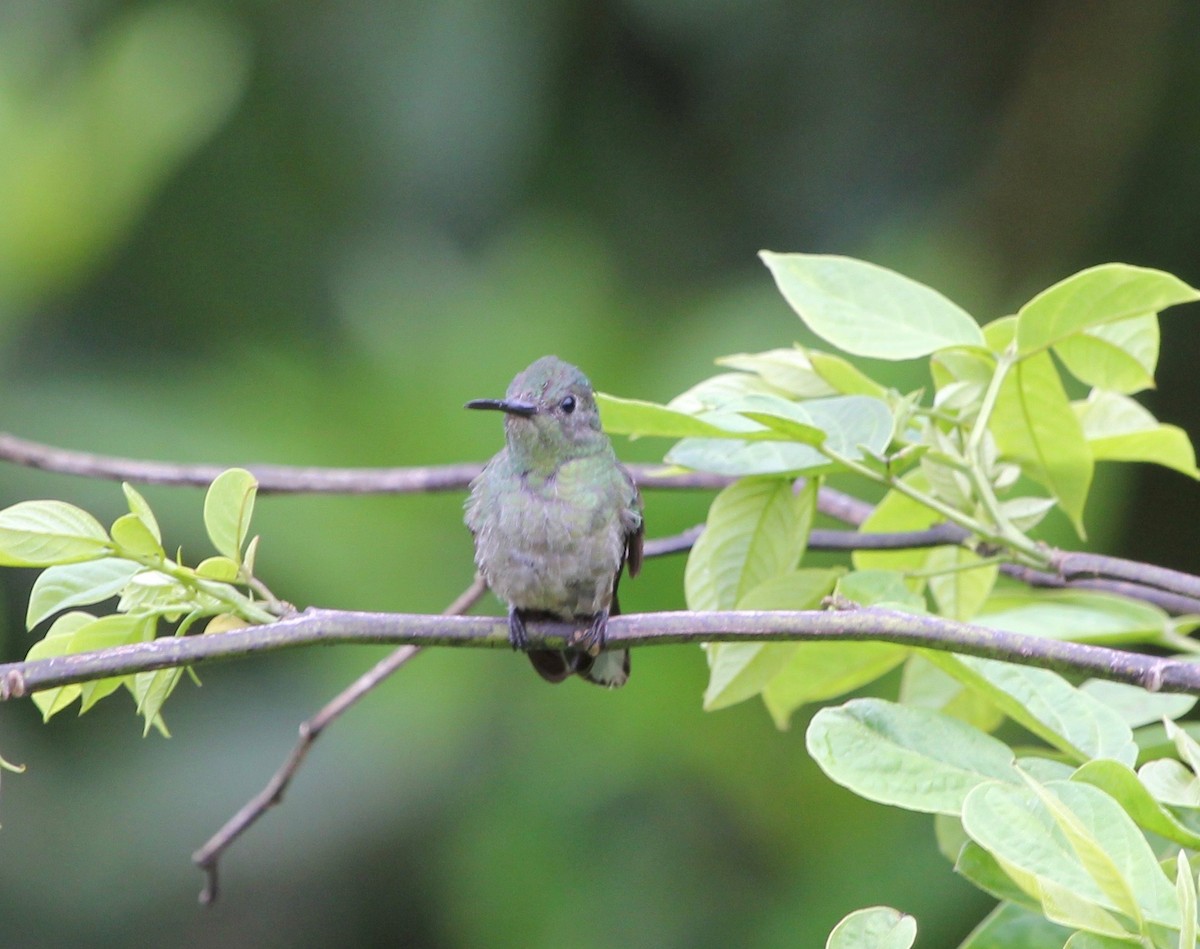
554 544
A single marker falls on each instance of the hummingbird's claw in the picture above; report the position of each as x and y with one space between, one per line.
518 638
591 640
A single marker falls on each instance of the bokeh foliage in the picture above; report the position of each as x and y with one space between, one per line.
308 233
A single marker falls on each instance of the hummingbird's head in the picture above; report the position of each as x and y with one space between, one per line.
550 412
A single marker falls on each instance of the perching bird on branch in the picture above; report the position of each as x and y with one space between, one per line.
555 517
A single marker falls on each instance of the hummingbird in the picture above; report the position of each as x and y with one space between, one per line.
555 517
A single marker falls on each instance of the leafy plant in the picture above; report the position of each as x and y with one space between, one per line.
1086 833
86 564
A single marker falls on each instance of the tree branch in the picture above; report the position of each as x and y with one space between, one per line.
208 856
338 627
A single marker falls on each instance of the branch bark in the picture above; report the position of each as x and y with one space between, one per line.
338 627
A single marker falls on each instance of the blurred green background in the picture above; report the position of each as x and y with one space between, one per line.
306 233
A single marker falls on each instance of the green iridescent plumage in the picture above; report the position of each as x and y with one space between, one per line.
555 517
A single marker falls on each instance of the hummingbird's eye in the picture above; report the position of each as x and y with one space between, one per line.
567 404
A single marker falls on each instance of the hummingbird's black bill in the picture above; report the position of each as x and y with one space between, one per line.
512 407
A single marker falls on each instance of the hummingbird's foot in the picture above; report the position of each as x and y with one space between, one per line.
591 640
518 637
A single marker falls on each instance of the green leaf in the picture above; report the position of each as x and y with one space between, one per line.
926 686
105 633
844 376
1014 927
898 512
909 757
151 690
1170 783
77 584
1119 357
1034 425
218 568
1137 706
848 425
738 671
867 310
1119 782
133 537
877 927
879 588
1185 891
756 529
964 588
1119 429
638 418
227 510
43 533
1094 297
1047 705
1112 850
816 672
789 370
57 642
1077 615
1015 827
139 508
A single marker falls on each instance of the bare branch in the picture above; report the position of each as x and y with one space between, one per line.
288 479
336 627
208 856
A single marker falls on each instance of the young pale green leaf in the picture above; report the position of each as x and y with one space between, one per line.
1078 615
789 370
849 425
894 513
648 419
44 533
151 690
867 310
133 538
228 507
1086 940
782 416
1119 429
57 642
844 376
924 684
1034 425
1185 744
139 507
988 874
756 529
1137 706
966 584
1014 927
877 927
106 633
738 671
1094 297
711 394
1117 357
1112 850
1119 782
77 584
1171 783
737 459
909 757
879 588
1047 705
817 672
218 568
1185 892
1017 829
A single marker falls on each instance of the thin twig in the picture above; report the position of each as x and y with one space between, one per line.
337 627
208 856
